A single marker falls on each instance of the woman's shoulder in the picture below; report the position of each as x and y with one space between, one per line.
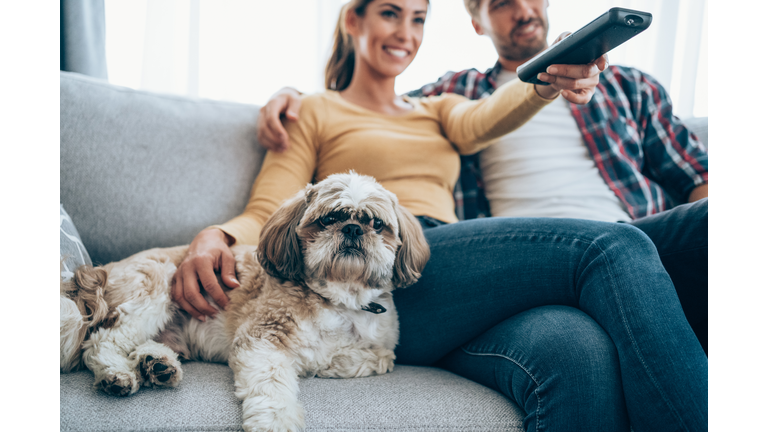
319 99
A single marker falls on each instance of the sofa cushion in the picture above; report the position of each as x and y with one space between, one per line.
141 170
410 398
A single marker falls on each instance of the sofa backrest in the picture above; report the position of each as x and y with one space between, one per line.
142 170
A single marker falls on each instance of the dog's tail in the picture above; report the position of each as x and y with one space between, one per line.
83 308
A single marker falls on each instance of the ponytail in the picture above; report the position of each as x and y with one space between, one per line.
341 65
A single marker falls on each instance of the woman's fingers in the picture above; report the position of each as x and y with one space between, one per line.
227 269
211 285
192 293
177 293
575 82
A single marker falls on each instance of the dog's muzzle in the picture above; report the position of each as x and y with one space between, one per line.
374 308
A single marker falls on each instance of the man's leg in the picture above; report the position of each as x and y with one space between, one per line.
485 271
556 363
680 236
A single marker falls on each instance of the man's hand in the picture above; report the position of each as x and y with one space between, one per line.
575 82
269 129
209 251
700 192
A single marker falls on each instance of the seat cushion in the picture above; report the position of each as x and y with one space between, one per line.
409 399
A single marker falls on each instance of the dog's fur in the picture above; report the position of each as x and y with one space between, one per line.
302 308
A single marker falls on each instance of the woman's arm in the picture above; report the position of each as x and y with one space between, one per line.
280 177
473 125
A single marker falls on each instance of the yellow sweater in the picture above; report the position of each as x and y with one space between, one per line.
414 155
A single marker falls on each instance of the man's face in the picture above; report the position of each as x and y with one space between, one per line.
518 28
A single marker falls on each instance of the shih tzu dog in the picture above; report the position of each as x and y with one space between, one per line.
314 300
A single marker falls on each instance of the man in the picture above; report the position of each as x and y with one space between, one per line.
623 157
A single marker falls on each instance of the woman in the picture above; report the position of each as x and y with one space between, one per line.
576 321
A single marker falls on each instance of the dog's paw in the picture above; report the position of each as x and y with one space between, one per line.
260 416
386 364
120 384
160 371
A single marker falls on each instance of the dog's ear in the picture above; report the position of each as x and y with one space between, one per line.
279 249
414 251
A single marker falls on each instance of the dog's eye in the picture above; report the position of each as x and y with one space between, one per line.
377 224
327 220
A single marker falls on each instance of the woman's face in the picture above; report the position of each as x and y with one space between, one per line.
388 36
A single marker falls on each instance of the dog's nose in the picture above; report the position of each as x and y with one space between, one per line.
352 231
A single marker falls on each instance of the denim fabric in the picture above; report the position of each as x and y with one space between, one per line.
485 271
681 238
556 363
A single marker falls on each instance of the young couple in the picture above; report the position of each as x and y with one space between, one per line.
575 320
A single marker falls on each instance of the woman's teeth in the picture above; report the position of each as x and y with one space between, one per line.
396 52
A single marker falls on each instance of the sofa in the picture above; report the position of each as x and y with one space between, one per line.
141 170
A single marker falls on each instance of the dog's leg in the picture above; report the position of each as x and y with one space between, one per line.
139 319
357 362
267 382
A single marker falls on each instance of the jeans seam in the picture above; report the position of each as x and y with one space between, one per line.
616 296
544 235
527 372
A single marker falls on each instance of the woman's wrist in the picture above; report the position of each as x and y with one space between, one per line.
546 91
218 233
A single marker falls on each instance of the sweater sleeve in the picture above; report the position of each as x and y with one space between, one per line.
281 176
473 125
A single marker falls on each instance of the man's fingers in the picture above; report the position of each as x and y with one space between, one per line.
228 270
211 285
177 292
265 135
294 105
277 131
193 296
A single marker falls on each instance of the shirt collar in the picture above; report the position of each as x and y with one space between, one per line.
493 73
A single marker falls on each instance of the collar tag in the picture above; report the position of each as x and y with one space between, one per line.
374 308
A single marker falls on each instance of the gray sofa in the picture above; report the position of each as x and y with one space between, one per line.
142 170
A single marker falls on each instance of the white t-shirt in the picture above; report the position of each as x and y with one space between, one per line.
544 169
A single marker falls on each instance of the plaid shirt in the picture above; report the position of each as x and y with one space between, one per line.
643 152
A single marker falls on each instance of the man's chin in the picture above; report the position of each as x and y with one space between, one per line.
524 52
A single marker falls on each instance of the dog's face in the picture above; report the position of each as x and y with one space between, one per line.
346 229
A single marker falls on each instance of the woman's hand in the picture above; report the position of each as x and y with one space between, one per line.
269 129
575 82
209 251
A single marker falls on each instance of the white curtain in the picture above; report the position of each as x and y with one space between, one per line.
245 50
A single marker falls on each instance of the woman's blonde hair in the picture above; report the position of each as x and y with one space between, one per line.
341 65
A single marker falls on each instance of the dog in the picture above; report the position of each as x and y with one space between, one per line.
315 299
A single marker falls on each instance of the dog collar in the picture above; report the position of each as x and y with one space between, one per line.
374 308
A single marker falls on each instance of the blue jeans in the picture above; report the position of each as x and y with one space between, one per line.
604 330
680 236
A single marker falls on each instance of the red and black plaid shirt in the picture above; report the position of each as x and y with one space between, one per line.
643 152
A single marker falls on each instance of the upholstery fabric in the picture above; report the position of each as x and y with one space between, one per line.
411 398
142 170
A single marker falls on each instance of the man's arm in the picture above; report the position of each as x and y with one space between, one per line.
699 193
674 157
